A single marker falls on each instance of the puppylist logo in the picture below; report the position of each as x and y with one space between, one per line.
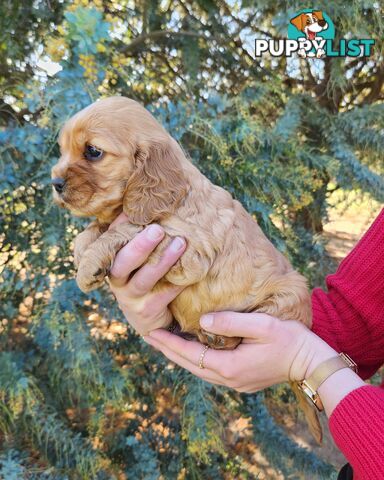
311 33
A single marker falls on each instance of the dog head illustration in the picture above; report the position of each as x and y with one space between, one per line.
310 23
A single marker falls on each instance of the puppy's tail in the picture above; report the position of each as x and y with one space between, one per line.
310 413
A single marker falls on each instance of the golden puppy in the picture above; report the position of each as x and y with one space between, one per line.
116 157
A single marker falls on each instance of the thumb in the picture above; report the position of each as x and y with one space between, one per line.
234 324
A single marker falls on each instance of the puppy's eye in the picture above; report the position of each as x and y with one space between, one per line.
93 153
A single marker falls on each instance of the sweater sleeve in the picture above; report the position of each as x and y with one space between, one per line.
350 316
357 426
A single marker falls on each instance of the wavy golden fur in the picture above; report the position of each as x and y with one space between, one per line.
229 264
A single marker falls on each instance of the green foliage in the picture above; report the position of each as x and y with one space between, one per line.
10 466
287 456
86 28
78 401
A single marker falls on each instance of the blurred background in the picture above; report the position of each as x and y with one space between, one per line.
298 142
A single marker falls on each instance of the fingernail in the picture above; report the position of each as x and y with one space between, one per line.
206 321
154 232
177 244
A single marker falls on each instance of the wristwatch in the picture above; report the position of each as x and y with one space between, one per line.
311 384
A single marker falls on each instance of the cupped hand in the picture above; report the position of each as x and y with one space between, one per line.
132 281
272 351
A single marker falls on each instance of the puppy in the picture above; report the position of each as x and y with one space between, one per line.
115 157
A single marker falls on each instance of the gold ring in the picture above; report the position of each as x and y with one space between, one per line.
202 354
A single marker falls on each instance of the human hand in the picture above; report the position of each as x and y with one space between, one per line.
144 308
272 351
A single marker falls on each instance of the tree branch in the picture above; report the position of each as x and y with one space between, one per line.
160 34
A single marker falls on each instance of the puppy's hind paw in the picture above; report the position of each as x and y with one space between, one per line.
218 342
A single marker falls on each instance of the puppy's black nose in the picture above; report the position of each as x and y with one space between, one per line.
322 23
58 184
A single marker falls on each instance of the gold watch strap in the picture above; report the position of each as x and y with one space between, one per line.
327 368
311 384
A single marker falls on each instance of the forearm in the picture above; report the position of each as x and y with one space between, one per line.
312 353
356 414
336 386
349 317
336 321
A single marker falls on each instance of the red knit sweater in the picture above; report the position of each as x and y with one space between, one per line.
350 318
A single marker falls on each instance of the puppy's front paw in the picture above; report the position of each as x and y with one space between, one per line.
85 239
78 253
92 272
97 259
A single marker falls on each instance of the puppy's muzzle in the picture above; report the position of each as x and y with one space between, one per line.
58 184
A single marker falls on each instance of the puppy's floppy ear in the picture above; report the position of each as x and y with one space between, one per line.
319 14
157 183
299 21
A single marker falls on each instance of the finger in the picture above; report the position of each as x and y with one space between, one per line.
135 253
150 306
248 389
234 324
162 298
190 350
122 218
146 278
203 373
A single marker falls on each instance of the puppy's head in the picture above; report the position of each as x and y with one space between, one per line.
115 156
310 23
